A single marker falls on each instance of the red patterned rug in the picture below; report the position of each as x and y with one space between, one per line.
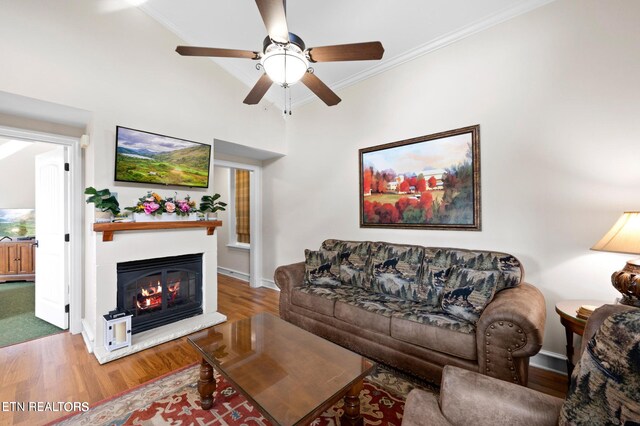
175 401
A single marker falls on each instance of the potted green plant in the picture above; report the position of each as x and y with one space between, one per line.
106 204
209 205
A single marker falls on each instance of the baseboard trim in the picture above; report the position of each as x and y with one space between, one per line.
549 361
269 284
87 336
233 273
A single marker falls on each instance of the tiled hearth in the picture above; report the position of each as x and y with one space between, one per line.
101 284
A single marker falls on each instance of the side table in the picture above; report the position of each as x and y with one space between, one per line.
572 324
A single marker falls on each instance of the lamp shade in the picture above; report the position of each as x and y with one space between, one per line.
623 237
285 65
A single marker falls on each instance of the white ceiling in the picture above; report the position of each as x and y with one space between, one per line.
407 29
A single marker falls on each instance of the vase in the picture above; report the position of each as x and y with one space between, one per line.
164 217
103 217
212 216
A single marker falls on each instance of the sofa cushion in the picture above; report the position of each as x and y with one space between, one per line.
331 244
321 299
369 310
508 266
605 383
321 267
395 270
468 291
429 327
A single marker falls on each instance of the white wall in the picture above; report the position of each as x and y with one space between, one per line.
231 259
556 94
18 177
122 67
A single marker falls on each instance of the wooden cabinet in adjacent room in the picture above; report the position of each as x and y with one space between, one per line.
17 261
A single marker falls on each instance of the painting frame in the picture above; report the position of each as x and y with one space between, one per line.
444 212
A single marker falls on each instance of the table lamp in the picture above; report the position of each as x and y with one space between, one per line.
624 237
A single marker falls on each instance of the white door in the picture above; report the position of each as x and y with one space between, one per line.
52 277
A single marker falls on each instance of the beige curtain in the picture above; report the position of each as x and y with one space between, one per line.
242 206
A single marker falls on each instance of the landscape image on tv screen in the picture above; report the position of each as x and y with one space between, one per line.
15 223
151 158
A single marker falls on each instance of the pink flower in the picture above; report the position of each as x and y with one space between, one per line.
169 207
184 207
151 207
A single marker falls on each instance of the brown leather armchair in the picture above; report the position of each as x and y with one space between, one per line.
468 398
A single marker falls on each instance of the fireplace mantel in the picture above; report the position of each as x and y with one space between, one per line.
108 229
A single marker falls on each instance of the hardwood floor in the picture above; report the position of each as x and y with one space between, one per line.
59 369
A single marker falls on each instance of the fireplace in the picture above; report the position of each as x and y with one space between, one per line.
160 291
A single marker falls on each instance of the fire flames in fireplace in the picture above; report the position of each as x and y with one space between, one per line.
151 297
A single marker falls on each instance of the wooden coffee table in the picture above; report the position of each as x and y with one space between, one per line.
287 373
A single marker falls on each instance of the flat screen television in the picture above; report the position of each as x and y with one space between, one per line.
145 157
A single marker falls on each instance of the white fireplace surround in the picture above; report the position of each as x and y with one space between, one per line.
101 284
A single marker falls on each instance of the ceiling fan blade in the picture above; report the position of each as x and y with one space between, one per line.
258 91
220 53
274 16
347 52
320 89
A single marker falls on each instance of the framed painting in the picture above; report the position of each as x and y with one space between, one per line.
429 182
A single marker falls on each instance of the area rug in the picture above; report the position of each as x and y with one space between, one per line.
18 322
174 400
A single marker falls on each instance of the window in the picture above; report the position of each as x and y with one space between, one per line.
239 212
242 210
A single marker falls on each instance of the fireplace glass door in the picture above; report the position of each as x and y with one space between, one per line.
160 291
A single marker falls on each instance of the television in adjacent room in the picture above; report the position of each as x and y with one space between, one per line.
145 157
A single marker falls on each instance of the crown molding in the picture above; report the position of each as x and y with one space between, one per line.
433 45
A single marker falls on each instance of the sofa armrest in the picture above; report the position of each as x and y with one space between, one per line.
468 398
286 278
509 331
422 408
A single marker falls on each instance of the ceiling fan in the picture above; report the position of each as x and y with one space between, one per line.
285 58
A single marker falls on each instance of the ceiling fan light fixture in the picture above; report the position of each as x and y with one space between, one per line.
284 64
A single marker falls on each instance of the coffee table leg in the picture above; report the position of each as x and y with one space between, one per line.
351 414
206 385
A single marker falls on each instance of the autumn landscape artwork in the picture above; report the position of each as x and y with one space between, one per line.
428 182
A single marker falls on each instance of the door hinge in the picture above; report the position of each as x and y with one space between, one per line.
66 308
66 238
66 167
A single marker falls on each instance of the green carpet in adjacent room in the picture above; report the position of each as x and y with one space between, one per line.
18 322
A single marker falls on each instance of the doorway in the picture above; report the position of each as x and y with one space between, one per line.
42 177
239 242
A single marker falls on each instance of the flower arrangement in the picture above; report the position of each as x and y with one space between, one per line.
154 204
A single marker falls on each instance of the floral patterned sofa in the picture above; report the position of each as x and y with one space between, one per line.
418 308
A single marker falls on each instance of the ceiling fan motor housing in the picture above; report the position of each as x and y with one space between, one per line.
293 38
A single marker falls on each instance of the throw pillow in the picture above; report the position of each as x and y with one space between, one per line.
436 269
321 267
468 291
395 270
604 385
353 264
